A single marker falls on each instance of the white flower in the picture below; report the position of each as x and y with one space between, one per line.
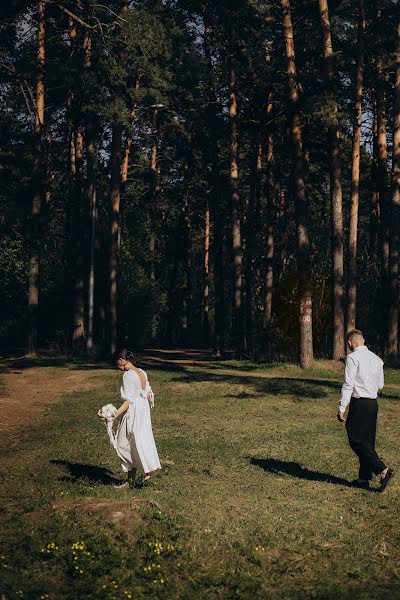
107 412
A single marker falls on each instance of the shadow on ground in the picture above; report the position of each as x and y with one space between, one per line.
81 473
19 363
294 469
300 389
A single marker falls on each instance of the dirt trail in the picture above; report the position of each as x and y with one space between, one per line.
28 391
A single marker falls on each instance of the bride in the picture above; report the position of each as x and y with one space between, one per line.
135 442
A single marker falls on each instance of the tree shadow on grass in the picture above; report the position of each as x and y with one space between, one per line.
299 389
385 396
294 469
81 473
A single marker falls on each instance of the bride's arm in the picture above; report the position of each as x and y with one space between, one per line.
123 408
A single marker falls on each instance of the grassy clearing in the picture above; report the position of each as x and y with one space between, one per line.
252 502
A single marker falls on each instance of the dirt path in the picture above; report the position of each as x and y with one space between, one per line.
28 391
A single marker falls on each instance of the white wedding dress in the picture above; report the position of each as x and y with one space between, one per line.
135 443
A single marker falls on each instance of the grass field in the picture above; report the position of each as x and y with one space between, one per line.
253 500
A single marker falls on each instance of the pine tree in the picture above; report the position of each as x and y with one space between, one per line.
303 244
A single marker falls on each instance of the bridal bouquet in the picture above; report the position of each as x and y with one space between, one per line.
106 414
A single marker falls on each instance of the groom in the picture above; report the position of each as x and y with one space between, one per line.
363 378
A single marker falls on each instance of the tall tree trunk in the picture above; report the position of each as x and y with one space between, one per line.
206 284
92 271
116 144
155 183
78 332
355 171
235 214
335 191
382 174
375 212
91 201
115 196
393 341
303 244
217 198
78 213
186 267
282 218
37 189
269 252
253 209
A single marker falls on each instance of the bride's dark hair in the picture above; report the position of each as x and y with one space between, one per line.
125 355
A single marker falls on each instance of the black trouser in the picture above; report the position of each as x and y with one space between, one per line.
361 430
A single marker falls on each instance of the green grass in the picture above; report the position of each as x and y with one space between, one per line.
252 501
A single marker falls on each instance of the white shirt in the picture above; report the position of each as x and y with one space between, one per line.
363 376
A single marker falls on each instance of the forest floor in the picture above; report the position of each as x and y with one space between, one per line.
253 500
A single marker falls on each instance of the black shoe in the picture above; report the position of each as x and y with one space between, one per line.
385 480
142 483
361 483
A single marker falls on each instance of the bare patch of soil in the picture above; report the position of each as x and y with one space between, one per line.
28 391
123 514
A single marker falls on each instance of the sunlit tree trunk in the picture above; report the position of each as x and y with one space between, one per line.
115 197
37 189
303 245
235 214
393 342
355 172
335 191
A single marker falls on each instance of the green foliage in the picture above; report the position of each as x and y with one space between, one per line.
156 65
12 280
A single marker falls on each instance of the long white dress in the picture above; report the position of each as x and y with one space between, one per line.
135 441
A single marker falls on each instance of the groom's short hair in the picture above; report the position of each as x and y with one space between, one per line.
354 333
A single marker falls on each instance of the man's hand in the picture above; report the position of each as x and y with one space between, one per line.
340 417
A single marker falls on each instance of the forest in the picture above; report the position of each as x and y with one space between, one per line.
196 173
